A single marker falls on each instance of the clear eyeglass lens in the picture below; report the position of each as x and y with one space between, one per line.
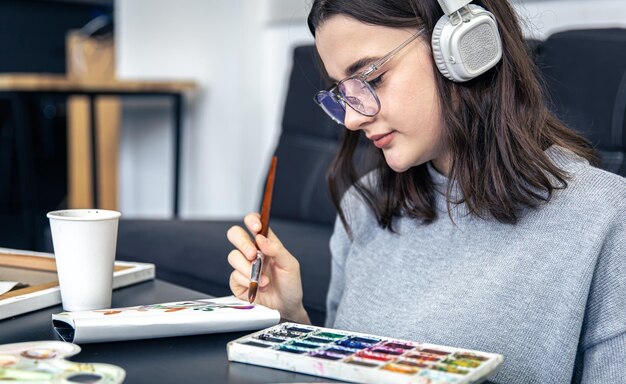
332 105
359 95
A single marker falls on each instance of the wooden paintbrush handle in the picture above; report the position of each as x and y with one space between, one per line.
267 198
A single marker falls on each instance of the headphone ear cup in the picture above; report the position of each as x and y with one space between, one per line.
465 49
438 55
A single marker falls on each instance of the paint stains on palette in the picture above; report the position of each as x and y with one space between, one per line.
359 357
44 362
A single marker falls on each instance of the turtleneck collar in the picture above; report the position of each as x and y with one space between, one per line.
441 182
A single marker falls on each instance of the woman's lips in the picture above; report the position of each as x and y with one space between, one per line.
382 141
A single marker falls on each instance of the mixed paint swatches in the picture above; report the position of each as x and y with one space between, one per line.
44 362
360 357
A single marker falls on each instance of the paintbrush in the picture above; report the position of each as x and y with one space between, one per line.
257 265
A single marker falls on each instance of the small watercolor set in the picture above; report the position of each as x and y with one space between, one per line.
359 357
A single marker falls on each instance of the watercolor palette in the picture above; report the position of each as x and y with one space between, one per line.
44 362
359 357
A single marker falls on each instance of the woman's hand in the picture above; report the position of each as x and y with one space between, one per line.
280 285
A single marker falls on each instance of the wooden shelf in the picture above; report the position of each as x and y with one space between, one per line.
61 83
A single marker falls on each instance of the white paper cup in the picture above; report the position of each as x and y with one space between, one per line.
84 243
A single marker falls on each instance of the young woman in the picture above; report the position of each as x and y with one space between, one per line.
484 224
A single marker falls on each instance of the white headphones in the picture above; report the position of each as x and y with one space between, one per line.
466 41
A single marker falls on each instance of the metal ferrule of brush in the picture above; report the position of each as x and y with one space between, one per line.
257 265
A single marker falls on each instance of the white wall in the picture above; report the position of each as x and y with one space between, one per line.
542 18
239 53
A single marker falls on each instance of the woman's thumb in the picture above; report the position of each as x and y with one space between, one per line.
275 250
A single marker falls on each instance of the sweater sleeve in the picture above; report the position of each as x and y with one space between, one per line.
339 248
604 362
604 328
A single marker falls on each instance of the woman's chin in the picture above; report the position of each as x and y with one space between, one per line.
400 165
397 166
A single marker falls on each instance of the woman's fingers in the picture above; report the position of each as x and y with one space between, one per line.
264 287
272 246
238 285
239 263
277 251
253 222
244 267
272 236
240 239
268 247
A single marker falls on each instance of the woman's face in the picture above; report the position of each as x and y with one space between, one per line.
408 128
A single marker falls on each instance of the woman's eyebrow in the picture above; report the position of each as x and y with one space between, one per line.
354 67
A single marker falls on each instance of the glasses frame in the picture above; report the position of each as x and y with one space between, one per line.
341 100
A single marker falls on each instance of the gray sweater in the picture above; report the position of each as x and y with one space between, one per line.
548 293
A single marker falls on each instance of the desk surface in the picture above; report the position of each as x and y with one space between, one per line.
62 83
190 359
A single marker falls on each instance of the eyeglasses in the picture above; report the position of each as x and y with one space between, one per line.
356 91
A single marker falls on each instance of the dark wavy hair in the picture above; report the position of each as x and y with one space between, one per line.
497 128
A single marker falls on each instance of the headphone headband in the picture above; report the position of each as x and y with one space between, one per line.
451 6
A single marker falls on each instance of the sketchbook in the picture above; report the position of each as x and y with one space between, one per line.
181 318
35 275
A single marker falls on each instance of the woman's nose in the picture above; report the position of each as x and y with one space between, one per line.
354 120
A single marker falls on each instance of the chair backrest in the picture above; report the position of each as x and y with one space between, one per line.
307 145
585 74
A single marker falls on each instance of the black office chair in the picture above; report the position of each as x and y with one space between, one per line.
193 253
585 73
33 168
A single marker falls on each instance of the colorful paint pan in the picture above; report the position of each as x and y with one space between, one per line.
407 370
356 342
327 355
360 357
434 351
292 349
318 340
342 350
299 329
271 338
257 344
330 335
397 345
388 351
363 362
423 356
414 363
462 363
286 333
375 356
449 369
470 356
303 344
441 377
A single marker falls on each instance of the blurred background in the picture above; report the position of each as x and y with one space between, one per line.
229 60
